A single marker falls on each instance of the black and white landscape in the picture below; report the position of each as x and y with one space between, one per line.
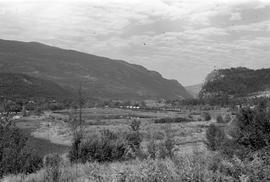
134 91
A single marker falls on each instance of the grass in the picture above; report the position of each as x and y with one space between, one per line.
56 137
43 146
190 162
188 167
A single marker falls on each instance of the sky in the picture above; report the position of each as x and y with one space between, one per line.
181 39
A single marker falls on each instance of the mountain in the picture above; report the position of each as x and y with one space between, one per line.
16 85
236 82
99 76
194 90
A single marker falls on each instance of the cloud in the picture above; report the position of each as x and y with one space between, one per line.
235 16
175 37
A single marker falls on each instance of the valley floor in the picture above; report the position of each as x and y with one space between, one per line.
51 133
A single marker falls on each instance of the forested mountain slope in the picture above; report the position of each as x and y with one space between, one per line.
99 76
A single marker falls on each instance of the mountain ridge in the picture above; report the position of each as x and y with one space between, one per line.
99 76
236 82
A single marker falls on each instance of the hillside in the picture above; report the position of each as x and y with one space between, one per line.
236 82
100 77
25 87
194 90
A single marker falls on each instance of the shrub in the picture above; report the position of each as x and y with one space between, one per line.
158 135
135 125
172 120
134 139
161 149
52 164
227 118
193 168
104 147
152 149
16 156
251 129
206 116
215 137
75 150
165 148
52 160
245 154
249 169
219 119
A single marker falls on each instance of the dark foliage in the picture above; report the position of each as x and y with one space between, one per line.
135 125
134 138
220 119
105 147
206 116
249 132
215 137
227 118
75 150
252 128
235 82
52 163
16 156
172 120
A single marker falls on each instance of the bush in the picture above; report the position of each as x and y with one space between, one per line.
158 135
104 147
219 119
52 160
161 149
215 137
244 156
16 156
52 164
172 120
152 149
107 146
75 150
249 169
251 129
206 116
167 147
227 118
134 139
135 125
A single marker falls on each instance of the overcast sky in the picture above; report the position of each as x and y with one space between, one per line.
181 39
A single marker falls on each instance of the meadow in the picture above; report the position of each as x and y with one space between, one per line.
119 145
50 132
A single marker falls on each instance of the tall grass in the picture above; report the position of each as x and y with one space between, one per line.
187 168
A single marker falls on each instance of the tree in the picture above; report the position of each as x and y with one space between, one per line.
252 128
206 116
215 137
134 137
16 156
220 119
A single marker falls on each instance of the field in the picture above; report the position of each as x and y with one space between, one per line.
50 132
176 146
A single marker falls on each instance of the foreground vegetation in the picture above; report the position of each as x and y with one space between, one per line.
237 150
